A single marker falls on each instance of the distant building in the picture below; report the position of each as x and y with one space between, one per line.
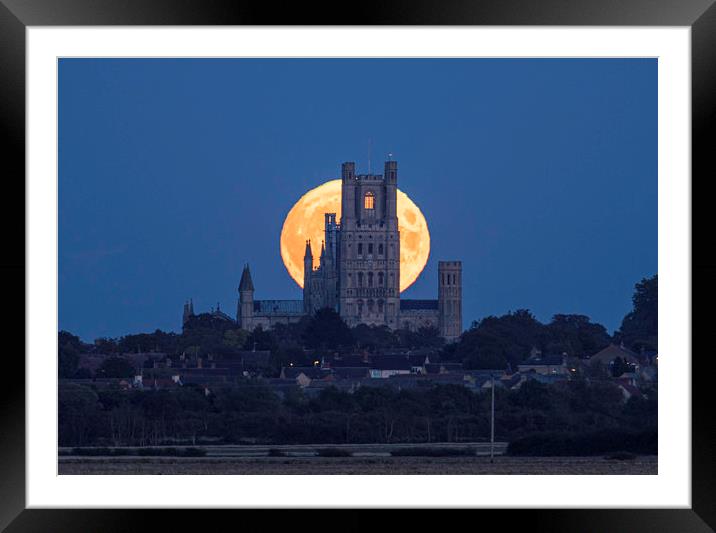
547 365
359 269
610 353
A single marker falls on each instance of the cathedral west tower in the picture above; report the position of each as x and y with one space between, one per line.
369 248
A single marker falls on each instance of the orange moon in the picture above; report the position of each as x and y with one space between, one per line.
305 221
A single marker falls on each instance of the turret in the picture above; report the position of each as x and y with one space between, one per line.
348 192
307 271
188 313
246 300
450 299
391 190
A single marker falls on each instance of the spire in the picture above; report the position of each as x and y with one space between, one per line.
323 249
308 252
191 306
246 284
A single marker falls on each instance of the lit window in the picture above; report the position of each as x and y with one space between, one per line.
369 201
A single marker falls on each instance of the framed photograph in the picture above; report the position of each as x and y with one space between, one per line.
413 256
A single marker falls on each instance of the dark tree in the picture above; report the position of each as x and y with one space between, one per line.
327 331
159 341
69 348
116 367
575 335
259 339
105 346
640 328
374 338
496 342
619 366
424 337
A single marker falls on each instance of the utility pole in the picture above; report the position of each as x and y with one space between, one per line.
492 422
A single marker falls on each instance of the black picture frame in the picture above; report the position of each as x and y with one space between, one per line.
16 15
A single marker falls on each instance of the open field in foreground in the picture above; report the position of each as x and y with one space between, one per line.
356 465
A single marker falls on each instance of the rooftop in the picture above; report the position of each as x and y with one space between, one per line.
278 307
406 305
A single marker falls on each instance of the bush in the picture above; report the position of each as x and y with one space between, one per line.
333 452
432 452
551 444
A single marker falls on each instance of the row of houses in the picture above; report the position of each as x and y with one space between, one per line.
349 372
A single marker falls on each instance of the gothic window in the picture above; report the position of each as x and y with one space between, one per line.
360 248
350 279
370 248
380 279
371 304
370 279
380 249
380 306
369 200
360 279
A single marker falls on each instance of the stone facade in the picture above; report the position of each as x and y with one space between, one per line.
359 268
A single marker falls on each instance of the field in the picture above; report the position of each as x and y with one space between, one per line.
365 460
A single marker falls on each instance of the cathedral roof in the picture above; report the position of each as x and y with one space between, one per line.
278 307
246 284
406 305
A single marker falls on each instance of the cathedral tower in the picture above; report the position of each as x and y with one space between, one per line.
450 299
188 312
369 248
246 300
307 278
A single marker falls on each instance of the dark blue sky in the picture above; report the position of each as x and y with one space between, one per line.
541 175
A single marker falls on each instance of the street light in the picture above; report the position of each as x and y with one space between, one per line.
492 421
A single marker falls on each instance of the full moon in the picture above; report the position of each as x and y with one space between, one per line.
305 221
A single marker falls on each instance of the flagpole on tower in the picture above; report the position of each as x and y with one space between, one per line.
369 147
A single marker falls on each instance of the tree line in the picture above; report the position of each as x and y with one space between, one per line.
495 342
253 413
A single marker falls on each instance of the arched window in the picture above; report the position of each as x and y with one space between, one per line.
380 279
371 305
370 279
380 249
360 279
369 200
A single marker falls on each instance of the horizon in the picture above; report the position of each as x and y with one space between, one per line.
169 171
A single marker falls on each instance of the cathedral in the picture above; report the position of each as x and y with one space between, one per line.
359 269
